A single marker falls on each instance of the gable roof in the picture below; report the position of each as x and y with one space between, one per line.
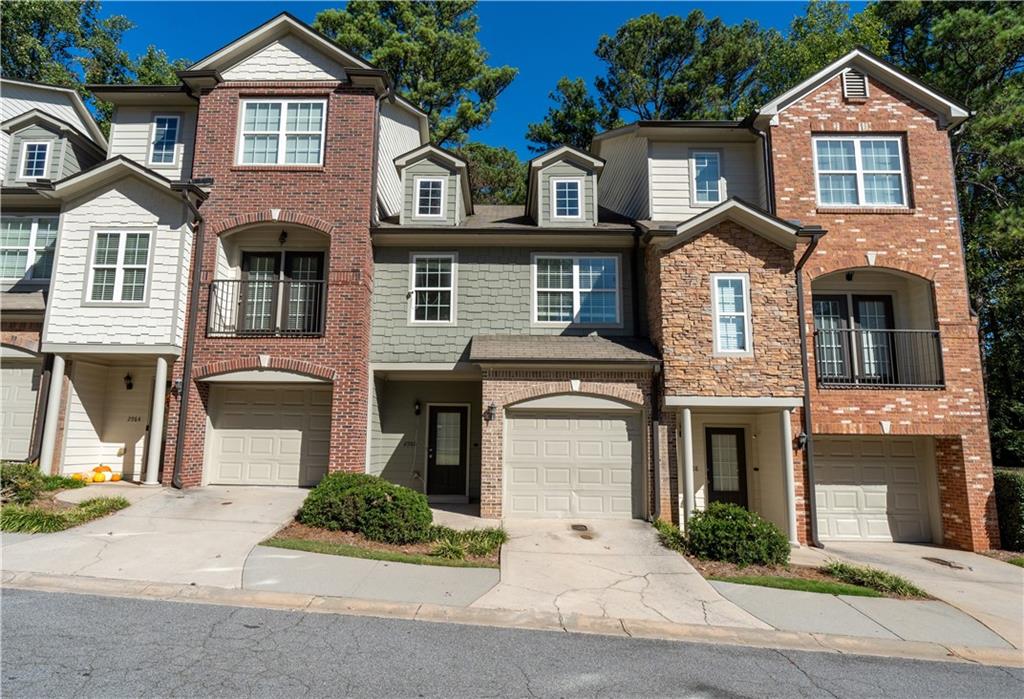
36 116
734 209
951 113
275 28
109 170
429 150
77 104
561 153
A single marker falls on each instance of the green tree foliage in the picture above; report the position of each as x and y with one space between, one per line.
974 52
496 175
431 51
572 121
155 68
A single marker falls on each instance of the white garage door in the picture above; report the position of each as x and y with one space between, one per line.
579 465
872 488
19 387
268 434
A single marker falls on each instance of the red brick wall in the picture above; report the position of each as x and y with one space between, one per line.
334 199
922 239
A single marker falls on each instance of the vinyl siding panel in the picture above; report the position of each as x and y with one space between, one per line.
126 204
429 168
493 296
399 133
288 58
566 169
670 176
131 134
18 99
623 186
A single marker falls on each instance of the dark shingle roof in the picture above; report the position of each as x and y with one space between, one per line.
499 217
560 348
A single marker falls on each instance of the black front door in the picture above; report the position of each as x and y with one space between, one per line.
302 292
447 456
257 301
727 465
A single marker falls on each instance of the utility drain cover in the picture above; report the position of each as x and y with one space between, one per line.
588 537
944 562
579 527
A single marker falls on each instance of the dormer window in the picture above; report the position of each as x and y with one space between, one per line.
430 197
282 132
567 198
34 157
707 177
163 149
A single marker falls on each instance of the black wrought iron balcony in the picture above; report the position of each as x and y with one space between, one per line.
878 358
267 308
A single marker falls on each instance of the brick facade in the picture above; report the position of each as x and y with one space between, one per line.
505 387
924 240
334 200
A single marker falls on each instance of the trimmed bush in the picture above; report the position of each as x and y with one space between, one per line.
20 483
1009 487
866 576
670 536
726 532
370 506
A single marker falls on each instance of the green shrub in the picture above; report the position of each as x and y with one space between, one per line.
884 582
451 548
670 536
62 483
1009 487
36 520
726 532
19 482
475 542
369 505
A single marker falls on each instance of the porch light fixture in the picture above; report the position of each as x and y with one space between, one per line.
416 408
128 383
801 440
283 238
849 276
489 413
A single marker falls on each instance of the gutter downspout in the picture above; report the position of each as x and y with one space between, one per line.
815 234
41 402
190 334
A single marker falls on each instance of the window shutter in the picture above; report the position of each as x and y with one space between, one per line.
855 85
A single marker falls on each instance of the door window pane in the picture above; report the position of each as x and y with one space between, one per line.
448 436
725 463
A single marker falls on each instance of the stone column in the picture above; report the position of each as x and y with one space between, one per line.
156 424
786 426
52 415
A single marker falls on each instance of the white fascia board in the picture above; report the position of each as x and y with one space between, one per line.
761 223
731 402
82 182
542 161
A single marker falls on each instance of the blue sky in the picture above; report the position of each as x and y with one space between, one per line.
562 38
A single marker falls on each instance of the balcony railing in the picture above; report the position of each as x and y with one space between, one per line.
267 308
878 358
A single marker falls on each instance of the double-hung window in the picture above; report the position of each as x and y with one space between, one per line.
120 266
282 132
432 292
581 289
860 171
430 197
566 198
26 246
35 155
707 177
163 149
731 304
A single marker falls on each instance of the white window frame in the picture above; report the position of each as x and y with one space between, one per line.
416 197
119 267
22 177
30 260
693 177
859 172
579 197
453 289
152 140
282 135
744 278
575 257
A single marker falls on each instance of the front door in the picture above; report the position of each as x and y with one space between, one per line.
727 465
447 453
258 298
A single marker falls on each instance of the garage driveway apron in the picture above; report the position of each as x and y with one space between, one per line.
199 535
621 571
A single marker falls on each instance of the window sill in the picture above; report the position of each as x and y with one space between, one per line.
889 210
277 168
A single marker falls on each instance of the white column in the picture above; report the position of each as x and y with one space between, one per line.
687 465
156 423
787 469
53 396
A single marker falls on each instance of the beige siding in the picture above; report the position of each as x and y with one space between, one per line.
127 204
399 133
18 99
623 183
671 181
131 134
288 58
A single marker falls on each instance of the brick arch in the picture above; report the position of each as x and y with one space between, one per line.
22 343
267 216
626 393
250 363
842 263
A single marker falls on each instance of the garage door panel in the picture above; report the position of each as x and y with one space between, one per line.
556 505
586 449
555 448
524 475
590 476
19 387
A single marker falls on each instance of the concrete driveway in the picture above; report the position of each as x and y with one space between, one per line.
991 591
199 535
614 569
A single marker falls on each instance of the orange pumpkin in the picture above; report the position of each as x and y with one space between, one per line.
115 477
102 468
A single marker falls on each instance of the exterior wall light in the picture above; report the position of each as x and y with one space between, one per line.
490 412
416 408
128 383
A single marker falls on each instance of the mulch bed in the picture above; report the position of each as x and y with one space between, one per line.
1002 554
295 530
720 569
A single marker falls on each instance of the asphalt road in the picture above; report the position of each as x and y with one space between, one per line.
62 645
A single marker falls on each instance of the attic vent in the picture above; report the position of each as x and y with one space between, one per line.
855 85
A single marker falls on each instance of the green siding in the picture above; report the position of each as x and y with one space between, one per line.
493 296
65 157
429 168
399 436
559 169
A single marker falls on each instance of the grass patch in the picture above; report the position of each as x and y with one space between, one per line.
801 584
456 545
31 519
1016 561
62 483
880 580
352 551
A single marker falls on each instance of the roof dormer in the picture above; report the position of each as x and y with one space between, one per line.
562 188
435 187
